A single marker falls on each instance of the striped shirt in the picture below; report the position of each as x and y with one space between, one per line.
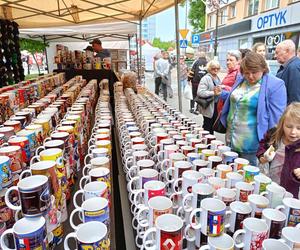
242 118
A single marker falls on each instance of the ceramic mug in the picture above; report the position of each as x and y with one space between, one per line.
222 242
275 221
239 212
272 244
85 240
34 195
290 236
291 208
28 233
254 232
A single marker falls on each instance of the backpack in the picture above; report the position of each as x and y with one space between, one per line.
198 70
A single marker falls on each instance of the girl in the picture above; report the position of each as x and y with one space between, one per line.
281 148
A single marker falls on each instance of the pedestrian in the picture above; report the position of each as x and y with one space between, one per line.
254 105
280 149
183 72
100 51
162 71
289 70
244 52
260 48
206 90
233 68
197 71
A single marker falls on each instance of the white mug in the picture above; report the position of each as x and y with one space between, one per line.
222 242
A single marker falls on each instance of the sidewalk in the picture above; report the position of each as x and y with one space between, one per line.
185 103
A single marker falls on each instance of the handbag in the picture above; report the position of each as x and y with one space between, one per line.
218 126
204 101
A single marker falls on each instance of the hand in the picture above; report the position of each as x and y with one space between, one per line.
263 160
269 156
297 173
217 90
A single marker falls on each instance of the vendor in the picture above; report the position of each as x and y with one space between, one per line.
89 48
100 52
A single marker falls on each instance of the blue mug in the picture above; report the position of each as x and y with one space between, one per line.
90 235
5 172
28 233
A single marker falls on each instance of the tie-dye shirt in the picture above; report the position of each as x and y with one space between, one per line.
242 118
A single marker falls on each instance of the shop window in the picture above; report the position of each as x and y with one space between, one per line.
253 7
211 20
271 4
223 16
243 43
232 11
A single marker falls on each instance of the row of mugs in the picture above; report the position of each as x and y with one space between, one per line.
42 193
251 177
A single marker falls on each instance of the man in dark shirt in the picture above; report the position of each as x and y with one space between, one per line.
289 70
100 52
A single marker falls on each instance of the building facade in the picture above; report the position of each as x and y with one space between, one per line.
241 23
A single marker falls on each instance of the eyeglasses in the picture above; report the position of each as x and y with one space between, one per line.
215 68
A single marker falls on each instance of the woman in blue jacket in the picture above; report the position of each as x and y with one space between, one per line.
254 105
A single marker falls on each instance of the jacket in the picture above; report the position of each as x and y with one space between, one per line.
206 89
271 103
291 161
290 74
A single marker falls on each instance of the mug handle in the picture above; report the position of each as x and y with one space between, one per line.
70 235
143 222
235 235
184 202
79 210
88 166
6 232
192 215
163 163
75 196
227 215
39 150
91 148
91 142
159 155
129 159
169 172
150 240
26 171
280 207
88 156
7 201
187 235
47 139
175 183
130 184
83 180
131 171
137 196
36 157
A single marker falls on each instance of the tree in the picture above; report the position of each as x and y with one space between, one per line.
162 45
197 15
33 47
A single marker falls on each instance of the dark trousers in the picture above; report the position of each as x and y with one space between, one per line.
209 122
158 82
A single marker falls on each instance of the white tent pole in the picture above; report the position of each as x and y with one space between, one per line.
140 61
178 55
137 56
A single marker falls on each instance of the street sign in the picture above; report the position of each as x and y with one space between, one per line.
196 39
183 44
184 33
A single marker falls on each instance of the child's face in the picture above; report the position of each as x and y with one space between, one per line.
291 130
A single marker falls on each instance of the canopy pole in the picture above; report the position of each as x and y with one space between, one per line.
137 56
44 37
129 45
140 61
178 55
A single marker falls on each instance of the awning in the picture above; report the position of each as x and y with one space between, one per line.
74 33
55 13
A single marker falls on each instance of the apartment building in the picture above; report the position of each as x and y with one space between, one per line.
241 23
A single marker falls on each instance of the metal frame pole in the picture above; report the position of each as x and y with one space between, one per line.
46 54
140 61
178 55
216 35
129 45
137 55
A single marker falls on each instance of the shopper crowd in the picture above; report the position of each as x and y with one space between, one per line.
259 112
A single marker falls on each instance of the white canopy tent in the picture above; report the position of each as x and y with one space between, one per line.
149 52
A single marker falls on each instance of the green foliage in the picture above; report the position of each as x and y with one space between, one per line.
197 15
162 45
32 46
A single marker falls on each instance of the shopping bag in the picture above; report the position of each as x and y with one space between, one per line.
187 92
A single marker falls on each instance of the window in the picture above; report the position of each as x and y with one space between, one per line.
243 43
270 4
223 16
232 11
252 7
211 20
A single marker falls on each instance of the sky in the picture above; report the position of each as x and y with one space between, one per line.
166 32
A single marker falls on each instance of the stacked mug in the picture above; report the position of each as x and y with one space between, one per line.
93 207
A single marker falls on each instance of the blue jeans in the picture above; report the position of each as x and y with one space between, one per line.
183 83
251 157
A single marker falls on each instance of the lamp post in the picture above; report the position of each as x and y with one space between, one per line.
216 34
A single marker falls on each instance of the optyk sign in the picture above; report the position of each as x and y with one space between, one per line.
272 20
